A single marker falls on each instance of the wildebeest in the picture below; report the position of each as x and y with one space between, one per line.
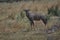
35 17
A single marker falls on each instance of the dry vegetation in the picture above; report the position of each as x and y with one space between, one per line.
19 28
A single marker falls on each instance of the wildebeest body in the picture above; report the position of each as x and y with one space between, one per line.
36 17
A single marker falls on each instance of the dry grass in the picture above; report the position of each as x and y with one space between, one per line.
19 29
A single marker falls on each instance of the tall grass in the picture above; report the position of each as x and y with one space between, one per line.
16 29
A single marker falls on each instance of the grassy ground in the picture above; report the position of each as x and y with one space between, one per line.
19 28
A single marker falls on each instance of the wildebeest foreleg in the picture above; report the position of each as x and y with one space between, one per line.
32 24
